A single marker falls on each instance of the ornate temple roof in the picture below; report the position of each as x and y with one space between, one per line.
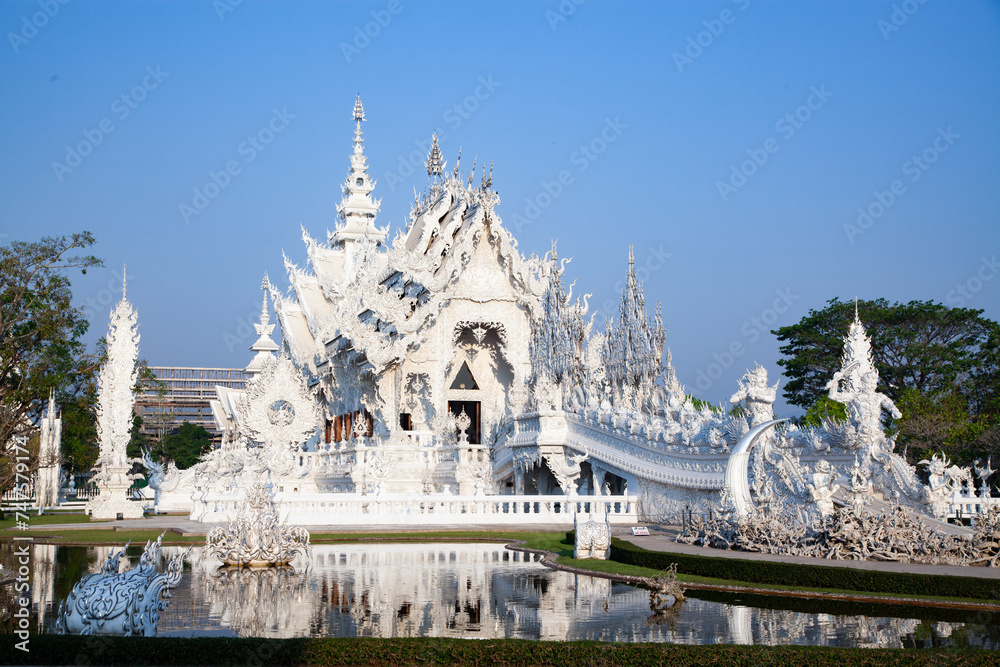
368 302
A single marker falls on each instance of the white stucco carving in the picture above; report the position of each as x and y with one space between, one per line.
127 603
258 536
115 400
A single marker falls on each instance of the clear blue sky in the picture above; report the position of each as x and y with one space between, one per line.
868 87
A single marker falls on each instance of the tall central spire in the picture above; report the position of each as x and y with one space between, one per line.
357 209
264 347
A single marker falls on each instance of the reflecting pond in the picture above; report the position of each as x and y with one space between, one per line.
485 591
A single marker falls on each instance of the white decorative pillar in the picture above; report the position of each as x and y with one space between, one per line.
49 458
115 401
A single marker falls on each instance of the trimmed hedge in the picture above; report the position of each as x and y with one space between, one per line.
808 576
75 650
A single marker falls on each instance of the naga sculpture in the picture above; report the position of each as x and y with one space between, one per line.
129 603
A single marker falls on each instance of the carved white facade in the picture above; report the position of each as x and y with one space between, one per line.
443 377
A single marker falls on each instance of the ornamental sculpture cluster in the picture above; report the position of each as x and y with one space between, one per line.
257 538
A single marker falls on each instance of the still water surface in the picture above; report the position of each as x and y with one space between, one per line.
486 591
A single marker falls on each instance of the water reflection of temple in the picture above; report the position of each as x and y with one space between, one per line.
458 590
395 590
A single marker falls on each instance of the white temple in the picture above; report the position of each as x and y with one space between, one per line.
444 377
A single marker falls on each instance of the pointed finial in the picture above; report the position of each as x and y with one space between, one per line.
458 161
472 174
856 318
123 280
489 179
359 111
434 164
265 316
631 257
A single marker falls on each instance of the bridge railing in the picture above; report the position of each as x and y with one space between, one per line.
439 509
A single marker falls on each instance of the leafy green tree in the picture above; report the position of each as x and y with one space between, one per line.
186 445
137 440
79 433
40 333
824 408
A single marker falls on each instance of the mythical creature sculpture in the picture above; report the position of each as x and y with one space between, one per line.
757 397
257 537
566 470
159 475
593 538
823 487
855 385
861 487
129 603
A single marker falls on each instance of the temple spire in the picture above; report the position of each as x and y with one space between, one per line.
357 209
264 346
265 316
434 163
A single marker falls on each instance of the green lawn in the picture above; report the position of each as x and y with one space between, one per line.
34 519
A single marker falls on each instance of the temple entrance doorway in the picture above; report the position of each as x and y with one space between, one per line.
472 410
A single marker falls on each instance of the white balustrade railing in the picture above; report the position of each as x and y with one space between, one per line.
15 496
352 509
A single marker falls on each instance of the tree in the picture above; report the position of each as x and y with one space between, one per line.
824 408
40 332
940 365
185 446
919 345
